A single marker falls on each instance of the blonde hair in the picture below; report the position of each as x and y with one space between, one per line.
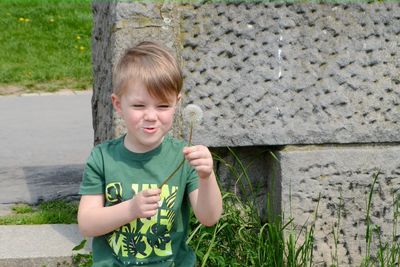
154 66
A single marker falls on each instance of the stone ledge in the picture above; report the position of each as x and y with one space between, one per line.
39 262
38 245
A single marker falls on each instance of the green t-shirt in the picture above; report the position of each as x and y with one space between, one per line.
119 174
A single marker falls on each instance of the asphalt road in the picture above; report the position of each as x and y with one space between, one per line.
44 143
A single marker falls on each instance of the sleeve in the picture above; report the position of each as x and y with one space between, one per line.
192 181
93 175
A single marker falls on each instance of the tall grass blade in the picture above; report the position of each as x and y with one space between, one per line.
368 233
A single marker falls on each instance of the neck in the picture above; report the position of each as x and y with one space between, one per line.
137 149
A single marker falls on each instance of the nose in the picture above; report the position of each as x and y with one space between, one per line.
150 114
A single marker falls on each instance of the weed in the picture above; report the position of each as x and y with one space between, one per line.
22 208
81 259
241 239
55 211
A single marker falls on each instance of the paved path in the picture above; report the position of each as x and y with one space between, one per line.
44 142
39 245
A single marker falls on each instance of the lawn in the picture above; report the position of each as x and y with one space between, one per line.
45 44
50 212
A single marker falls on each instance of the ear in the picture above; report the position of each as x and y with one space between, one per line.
116 101
178 99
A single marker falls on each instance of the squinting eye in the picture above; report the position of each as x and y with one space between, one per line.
138 106
163 107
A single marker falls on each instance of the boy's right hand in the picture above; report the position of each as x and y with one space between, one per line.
145 203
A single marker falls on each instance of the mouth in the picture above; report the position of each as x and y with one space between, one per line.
149 129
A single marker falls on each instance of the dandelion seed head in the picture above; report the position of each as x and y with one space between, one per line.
192 113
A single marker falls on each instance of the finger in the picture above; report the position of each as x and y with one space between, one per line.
149 214
152 199
200 162
186 150
151 192
196 155
191 149
152 213
196 162
150 207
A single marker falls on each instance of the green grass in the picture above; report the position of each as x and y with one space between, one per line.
45 44
241 239
51 212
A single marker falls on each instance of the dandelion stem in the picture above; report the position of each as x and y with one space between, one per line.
182 161
190 133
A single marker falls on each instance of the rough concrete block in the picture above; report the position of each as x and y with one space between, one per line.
102 58
118 26
268 74
273 74
339 179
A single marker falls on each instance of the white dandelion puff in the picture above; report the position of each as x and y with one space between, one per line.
192 114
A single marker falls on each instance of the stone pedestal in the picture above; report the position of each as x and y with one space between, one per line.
317 84
338 180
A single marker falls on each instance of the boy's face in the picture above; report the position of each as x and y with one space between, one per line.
147 118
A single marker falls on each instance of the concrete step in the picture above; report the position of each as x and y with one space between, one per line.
39 245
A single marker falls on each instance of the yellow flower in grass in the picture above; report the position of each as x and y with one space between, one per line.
51 20
78 37
82 48
23 19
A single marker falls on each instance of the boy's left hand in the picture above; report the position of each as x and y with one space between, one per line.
200 159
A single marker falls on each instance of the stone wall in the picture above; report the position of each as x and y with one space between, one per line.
293 74
318 84
339 178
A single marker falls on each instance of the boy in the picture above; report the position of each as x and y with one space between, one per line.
133 222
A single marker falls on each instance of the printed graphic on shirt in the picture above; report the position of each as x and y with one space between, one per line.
143 238
114 193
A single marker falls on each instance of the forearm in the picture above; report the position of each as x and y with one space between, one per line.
96 221
208 206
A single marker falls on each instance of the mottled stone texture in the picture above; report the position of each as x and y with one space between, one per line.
118 26
340 179
293 74
102 56
322 78
267 74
